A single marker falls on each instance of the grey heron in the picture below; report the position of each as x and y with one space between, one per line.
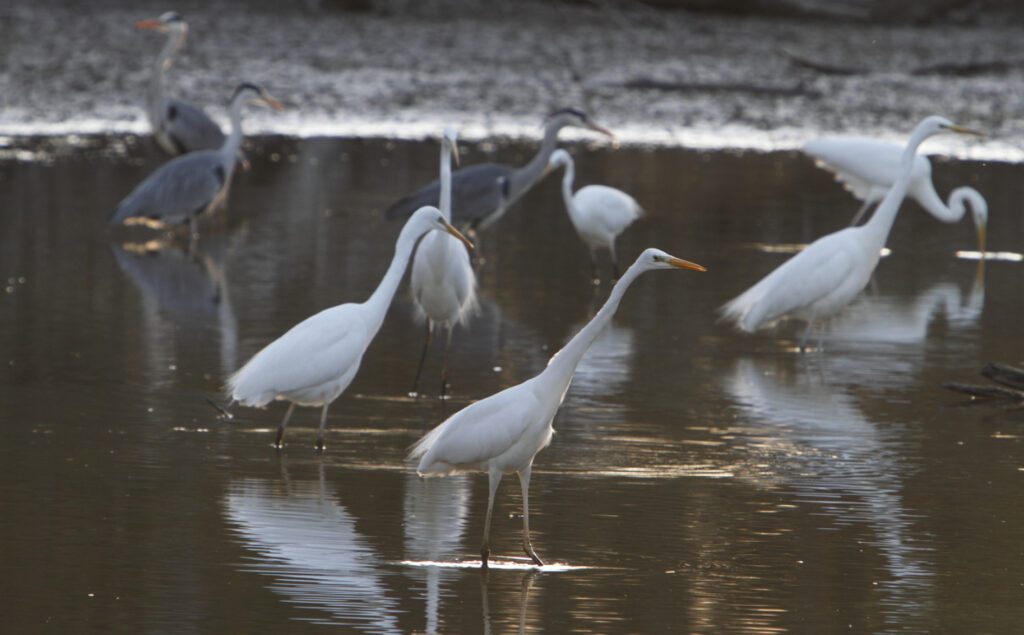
316 360
187 186
476 199
442 281
178 126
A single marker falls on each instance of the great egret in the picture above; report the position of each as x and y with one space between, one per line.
504 432
187 186
598 212
820 280
869 167
442 280
315 361
476 199
178 126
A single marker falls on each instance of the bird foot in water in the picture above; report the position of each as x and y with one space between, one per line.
320 447
485 553
533 555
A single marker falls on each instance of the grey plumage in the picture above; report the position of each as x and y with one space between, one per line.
476 198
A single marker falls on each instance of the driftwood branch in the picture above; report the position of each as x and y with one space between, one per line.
822 67
988 392
648 83
1005 375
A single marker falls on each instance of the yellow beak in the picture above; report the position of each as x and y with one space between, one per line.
685 264
454 232
963 130
981 241
267 100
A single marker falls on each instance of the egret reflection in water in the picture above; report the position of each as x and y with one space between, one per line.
306 542
845 463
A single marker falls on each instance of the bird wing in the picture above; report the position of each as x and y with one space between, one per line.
182 187
483 430
190 128
475 194
317 350
861 164
610 209
800 281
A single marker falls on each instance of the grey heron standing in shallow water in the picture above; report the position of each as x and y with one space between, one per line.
187 186
477 201
178 126
443 283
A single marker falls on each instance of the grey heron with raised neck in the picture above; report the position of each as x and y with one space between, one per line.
178 126
477 201
195 183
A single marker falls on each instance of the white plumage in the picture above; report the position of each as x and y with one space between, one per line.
820 280
869 167
598 212
504 432
315 361
442 281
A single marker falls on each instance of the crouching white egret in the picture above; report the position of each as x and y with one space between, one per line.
315 361
504 432
442 281
869 167
820 280
598 212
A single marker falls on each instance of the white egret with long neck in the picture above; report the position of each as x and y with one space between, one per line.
315 361
178 126
869 167
442 281
598 212
196 183
823 278
477 201
503 433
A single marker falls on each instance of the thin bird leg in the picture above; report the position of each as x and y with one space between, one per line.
320 433
860 213
444 364
193 233
615 264
423 358
284 424
807 332
493 479
595 276
524 483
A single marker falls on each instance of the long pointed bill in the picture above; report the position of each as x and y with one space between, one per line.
685 264
148 24
981 241
606 132
963 130
455 154
270 101
454 232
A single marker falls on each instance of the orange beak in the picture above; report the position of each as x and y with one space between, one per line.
151 25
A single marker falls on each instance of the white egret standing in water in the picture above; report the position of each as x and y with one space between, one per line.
442 281
504 432
869 167
820 280
598 212
315 361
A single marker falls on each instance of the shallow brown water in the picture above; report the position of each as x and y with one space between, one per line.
700 480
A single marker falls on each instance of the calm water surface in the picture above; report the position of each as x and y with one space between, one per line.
699 481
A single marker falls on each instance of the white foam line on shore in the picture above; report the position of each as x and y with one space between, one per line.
302 125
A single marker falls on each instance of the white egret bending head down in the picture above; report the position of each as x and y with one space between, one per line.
195 183
504 432
442 281
598 212
869 167
820 280
178 126
315 361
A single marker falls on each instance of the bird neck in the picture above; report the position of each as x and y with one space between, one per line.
380 299
527 176
960 198
445 203
567 179
234 140
880 224
175 40
563 365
